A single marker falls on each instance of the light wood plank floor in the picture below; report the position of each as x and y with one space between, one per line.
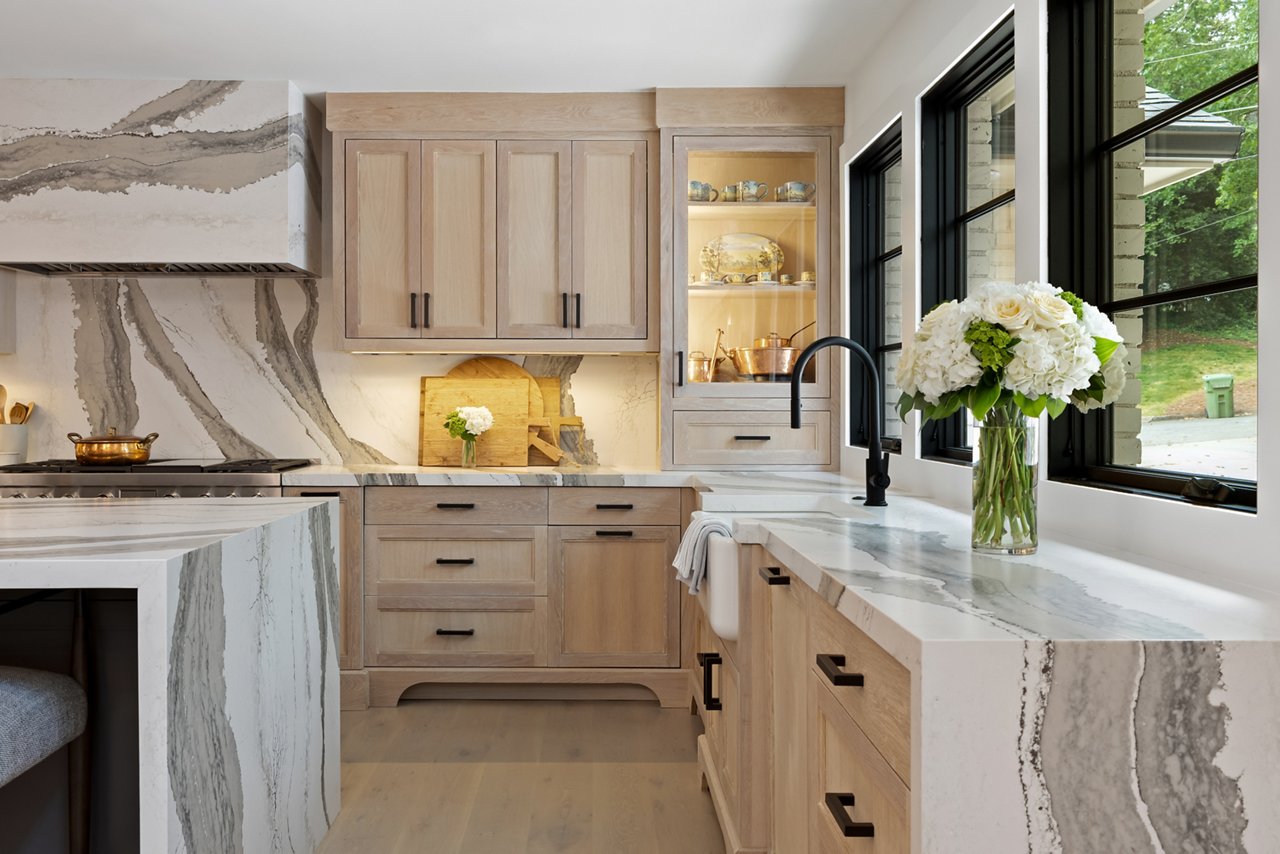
511 776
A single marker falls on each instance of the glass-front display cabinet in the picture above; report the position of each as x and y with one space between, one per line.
752 274
752 255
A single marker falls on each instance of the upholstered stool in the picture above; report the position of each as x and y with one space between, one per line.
39 713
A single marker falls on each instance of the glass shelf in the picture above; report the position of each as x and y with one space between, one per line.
696 290
806 211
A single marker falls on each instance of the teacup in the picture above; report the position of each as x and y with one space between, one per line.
795 191
729 193
764 277
785 279
752 191
808 276
701 191
735 278
708 276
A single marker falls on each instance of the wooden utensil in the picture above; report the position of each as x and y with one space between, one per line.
31 408
505 444
4 398
18 414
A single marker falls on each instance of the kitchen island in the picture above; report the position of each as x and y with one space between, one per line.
237 654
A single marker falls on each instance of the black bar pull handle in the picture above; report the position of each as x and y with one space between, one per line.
773 575
426 310
840 804
577 311
615 533
708 660
309 494
751 438
680 368
455 633
831 667
455 505
564 309
455 561
413 310
615 507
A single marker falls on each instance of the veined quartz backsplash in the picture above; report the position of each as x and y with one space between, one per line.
240 368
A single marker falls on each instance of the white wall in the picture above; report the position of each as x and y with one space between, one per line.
927 38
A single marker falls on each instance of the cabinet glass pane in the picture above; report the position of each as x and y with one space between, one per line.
752 260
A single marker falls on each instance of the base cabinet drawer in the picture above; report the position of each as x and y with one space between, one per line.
881 703
456 631
859 805
631 505
751 438
455 505
455 560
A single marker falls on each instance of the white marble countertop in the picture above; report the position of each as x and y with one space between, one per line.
905 574
127 531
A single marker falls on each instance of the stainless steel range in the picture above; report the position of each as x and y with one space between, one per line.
257 478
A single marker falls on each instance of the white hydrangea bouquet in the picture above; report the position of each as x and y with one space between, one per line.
1008 353
468 423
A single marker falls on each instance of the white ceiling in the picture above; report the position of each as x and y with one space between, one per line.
465 45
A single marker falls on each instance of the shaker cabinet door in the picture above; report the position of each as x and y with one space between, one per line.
535 259
459 233
383 257
610 217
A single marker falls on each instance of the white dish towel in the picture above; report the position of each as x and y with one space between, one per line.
691 557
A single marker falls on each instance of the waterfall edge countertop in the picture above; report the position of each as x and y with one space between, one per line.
237 653
1070 701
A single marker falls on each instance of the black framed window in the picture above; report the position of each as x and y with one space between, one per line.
1153 181
875 279
967 195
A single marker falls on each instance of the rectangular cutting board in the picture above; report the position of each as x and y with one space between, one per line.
505 444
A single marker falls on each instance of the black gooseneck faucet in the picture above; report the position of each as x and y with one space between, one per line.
877 460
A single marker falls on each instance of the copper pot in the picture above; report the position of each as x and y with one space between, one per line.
765 362
112 449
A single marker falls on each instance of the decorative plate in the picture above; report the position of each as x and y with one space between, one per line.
741 253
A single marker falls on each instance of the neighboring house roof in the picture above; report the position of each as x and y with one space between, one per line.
1193 144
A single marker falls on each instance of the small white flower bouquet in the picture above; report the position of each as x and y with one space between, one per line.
468 422
1008 353
1031 346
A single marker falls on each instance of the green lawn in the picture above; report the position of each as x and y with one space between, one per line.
1171 372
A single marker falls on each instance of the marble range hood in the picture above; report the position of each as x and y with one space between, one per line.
160 177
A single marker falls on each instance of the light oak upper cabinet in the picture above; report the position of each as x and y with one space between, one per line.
459 228
572 257
420 237
610 209
535 256
383 220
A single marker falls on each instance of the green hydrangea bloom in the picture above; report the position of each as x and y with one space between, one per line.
1077 304
992 344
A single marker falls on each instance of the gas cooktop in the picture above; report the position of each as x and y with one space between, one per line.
160 467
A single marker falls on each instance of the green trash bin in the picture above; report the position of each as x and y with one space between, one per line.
1220 395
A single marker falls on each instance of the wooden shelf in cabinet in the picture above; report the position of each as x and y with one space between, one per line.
806 211
706 291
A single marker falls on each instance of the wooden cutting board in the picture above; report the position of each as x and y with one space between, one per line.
505 444
491 367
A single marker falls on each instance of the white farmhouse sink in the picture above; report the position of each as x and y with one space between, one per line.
721 586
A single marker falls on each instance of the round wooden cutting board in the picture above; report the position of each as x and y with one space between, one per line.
491 367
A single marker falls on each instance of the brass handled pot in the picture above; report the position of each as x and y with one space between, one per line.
112 449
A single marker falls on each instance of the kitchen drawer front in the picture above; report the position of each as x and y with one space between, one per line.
455 505
578 505
455 560
845 763
456 631
754 438
881 706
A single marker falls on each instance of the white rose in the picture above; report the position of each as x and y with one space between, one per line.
1054 362
1002 304
1049 310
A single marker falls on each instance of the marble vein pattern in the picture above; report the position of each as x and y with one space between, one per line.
139 170
237 660
241 368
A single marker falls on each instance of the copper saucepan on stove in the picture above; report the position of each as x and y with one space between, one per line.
112 449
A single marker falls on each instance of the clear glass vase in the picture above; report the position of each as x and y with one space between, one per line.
468 453
1004 483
